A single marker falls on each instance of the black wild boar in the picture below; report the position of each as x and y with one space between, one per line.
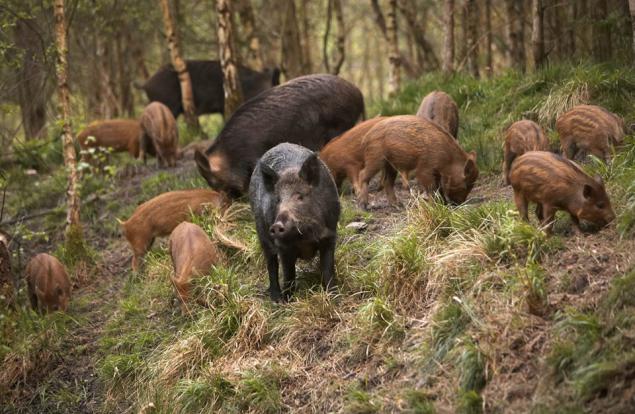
294 200
555 183
207 86
309 111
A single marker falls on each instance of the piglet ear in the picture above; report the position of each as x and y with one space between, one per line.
587 191
310 171
269 176
598 179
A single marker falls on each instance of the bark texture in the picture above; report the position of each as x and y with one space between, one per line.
248 22
70 158
180 67
340 42
448 38
394 57
631 7
516 33
538 33
227 52
472 36
293 64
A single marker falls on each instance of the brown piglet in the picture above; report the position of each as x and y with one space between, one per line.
589 129
117 134
193 254
439 107
408 143
159 216
344 155
555 183
160 134
521 137
48 283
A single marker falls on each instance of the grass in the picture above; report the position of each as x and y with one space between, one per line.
435 303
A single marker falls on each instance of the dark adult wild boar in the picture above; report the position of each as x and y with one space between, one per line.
555 183
193 254
48 283
589 129
309 111
296 206
207 86
521 137
408 143
159 132
344 155
118 134
159 216
439 107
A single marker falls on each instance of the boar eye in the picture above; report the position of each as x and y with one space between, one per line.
600 205
300 197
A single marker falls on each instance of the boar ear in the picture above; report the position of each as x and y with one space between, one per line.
472 155
310 171
587 191
598 179
203 166
470 169
269 176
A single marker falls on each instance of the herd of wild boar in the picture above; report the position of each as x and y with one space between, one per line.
291 146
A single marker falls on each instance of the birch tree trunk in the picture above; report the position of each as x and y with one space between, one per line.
472 37
227 52
538 33
631 7
180 67
70 158
248 22
448 40
335 5
489 39
293 64
394 57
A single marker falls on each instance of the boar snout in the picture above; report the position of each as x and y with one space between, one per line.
282 227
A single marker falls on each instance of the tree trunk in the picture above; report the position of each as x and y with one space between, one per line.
631 6
472 37
418 30
448 39
293 64
516 34
227 53
489 39
306 36
248 21
70 159
601 33
31 85
394 57
538 33
335 5
180 67
123 76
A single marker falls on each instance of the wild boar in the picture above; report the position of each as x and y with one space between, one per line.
159 131
118 134
589 129
521 137
159 216
408 143
48 283
296 206
344 155
207 86
193 254
555 183
309 111
439 107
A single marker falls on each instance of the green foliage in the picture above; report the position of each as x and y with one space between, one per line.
260 390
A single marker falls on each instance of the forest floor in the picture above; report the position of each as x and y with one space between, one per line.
440 309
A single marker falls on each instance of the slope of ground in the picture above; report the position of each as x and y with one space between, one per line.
439 309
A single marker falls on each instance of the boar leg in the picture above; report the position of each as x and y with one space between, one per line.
521 205
288 259
427 180
576 223
327 264
539 212
390 174
569 149
549 217
272 269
